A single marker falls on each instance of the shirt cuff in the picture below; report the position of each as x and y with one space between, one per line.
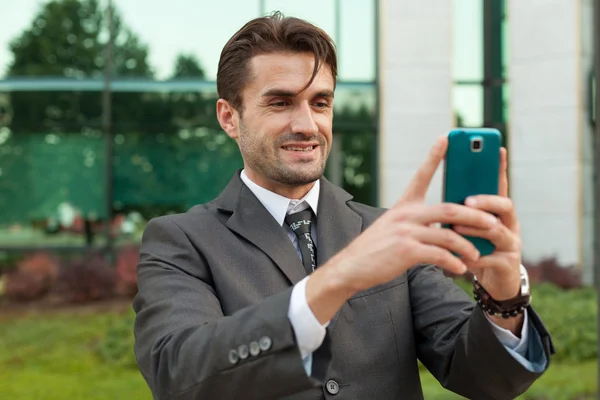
309 332
509 340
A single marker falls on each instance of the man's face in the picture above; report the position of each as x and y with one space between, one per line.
285 134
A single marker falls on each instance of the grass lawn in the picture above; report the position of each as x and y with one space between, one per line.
87 355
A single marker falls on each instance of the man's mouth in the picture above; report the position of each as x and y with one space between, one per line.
299 148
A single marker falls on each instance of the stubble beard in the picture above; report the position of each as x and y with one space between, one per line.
258 155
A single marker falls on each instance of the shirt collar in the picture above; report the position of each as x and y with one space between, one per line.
278 205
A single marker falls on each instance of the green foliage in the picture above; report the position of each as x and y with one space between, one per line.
116 344
571 318
188 66
89 355
56 357
569 315
562 381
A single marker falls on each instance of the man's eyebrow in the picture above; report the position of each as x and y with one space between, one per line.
289 93
325 93
279 93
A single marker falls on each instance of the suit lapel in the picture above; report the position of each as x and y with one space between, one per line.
251 220
337 226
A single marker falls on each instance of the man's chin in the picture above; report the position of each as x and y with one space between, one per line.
300 178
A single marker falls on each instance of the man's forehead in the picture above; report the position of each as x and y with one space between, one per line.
290 71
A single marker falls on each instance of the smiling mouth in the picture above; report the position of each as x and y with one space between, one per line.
301 149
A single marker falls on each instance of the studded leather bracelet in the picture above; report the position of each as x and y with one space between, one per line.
506 308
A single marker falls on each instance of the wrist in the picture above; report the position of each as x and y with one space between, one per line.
506 308
326 292
514 325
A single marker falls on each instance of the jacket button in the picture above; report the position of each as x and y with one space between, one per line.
243 351
265 343
233 356
332 387
254 348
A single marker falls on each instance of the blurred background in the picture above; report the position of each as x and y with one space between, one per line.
107 119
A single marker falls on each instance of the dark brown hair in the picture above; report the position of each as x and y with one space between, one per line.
273 33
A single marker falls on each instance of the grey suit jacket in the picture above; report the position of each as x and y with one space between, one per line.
220 276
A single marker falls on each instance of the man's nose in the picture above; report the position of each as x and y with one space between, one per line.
303 120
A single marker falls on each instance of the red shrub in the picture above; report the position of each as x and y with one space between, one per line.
127 261
87 279
33 278
550 270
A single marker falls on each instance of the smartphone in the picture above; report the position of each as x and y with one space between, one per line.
472 167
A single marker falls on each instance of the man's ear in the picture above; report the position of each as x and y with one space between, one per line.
228 118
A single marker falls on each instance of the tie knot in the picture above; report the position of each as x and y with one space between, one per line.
300 221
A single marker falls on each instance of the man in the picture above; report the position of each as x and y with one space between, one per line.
242 299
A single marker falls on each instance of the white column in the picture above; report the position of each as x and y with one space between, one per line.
550 139
416 83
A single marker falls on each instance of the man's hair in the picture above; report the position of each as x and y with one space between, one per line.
270 34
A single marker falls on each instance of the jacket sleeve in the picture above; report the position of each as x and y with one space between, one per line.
187 349
456 343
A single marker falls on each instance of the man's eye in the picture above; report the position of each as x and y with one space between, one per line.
321 104
279 104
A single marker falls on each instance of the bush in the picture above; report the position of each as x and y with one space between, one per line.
127 261
551 271
33 277
86 279
9 261
116 344
570 316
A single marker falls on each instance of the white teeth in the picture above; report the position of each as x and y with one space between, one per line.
299 148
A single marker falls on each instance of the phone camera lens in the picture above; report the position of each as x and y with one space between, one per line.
476 145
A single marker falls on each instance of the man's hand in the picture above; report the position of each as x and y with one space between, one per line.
401 238
498 272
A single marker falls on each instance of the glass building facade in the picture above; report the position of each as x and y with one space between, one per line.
107 114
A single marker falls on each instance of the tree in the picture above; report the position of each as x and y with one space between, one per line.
68 38
55 147
188 66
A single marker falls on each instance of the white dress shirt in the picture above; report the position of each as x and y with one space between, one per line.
309 332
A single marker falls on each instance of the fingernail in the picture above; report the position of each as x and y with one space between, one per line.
477 254
470 201
493 220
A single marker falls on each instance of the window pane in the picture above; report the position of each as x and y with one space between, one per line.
52 169
175 158
356 44
468 105
166 30
506 103
354 104
468 40
359 164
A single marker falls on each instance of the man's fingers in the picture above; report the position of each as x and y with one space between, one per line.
502 238
503 178
445 239
430 254
503 207
449 213
417 188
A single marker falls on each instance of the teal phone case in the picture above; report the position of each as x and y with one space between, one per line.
469 171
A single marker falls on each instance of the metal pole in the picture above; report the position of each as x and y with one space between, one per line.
377 123
336 157
107 128
597 168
